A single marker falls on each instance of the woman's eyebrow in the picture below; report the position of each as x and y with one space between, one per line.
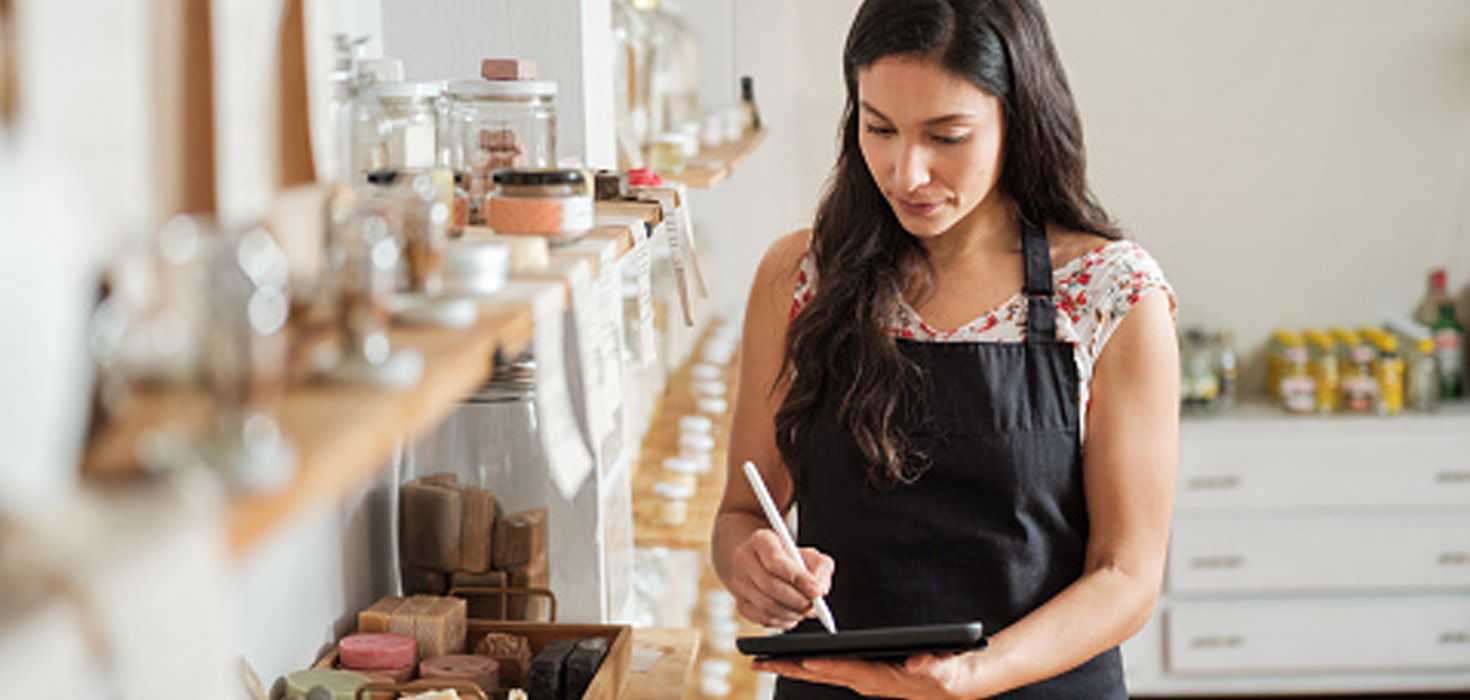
957 116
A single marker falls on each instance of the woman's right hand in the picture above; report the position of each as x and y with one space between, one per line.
770 588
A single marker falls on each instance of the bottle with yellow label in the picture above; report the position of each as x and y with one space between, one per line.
1388 369
1324 371
1280 338
1358 386
1298 390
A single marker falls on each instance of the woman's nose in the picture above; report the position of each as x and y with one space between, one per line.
911 170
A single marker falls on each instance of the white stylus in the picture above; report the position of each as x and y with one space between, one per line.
774 516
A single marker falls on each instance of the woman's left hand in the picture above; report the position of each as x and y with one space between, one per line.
920 677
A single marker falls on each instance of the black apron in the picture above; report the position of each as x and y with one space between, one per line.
994 528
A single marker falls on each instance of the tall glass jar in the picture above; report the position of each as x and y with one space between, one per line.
407 133
495 124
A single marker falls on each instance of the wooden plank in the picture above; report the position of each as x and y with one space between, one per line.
669 676
648 211
661 442
342 434
713 165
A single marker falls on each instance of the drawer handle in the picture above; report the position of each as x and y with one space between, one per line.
1223 561
1454 638
1452 476
1223 641
1215 483
1454 559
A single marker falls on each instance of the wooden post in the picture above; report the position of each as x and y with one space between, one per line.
184 108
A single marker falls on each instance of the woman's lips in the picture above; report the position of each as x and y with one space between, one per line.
917 208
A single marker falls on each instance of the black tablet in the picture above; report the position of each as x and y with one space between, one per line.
876 643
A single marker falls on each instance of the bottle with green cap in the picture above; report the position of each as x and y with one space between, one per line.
1424 391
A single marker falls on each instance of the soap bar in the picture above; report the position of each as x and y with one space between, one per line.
524 607
439 625
430 520
511 651
424 581
520 538
507 69
432 695
375 652
393 675
375 618
544 681
477 530
482 606
480 670
341 684
582 665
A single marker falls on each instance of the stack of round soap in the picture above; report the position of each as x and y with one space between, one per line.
480 670
388 656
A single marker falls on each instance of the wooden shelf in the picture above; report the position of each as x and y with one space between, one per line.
713 165
668 677
344 433
661 442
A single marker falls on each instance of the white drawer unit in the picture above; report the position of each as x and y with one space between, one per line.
1365 471
1238 555
1312 637
1314 556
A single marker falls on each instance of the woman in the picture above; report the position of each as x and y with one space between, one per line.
961 375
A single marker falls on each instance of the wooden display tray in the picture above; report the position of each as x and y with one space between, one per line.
611 676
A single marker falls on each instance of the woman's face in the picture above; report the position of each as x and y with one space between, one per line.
931 139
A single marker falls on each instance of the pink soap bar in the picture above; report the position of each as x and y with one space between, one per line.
507 69
372 652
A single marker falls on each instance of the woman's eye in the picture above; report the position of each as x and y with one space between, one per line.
880 130
951 140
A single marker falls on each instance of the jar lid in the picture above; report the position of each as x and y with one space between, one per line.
404 89
386 176
644 177
502 88
539 176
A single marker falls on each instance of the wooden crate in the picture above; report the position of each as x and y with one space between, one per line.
606 685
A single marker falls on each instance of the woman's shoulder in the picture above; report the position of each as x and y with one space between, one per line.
784 270
1101 280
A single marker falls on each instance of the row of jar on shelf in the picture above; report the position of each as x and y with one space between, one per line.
505 119
1372 370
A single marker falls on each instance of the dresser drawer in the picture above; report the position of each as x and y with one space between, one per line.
1352 635
1220 554
1323 472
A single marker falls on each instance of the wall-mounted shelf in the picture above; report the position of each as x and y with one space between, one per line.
667 677
713 165
342 434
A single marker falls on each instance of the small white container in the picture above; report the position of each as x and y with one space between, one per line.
695 424
681 471
711 388
713 406
706 372
697 450
673 503
475 267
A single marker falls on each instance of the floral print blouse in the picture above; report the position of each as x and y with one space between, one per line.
1094 292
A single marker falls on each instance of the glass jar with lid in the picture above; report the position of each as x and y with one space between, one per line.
407 133
496 124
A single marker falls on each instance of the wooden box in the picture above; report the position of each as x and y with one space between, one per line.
606 685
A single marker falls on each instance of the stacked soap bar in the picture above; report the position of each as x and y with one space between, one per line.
379 655
565 668
454 536
436 623
483 671
513 654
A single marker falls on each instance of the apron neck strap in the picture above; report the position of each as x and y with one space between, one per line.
1041 318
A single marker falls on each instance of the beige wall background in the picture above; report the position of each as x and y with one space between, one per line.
1289 162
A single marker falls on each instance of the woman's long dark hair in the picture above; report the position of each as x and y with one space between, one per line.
837 347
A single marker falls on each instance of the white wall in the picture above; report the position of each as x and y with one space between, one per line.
1289 162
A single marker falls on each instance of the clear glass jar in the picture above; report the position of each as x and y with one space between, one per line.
494 124
407 129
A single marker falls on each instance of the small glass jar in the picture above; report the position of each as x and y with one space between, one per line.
407 132
556 204
495 124
697 425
